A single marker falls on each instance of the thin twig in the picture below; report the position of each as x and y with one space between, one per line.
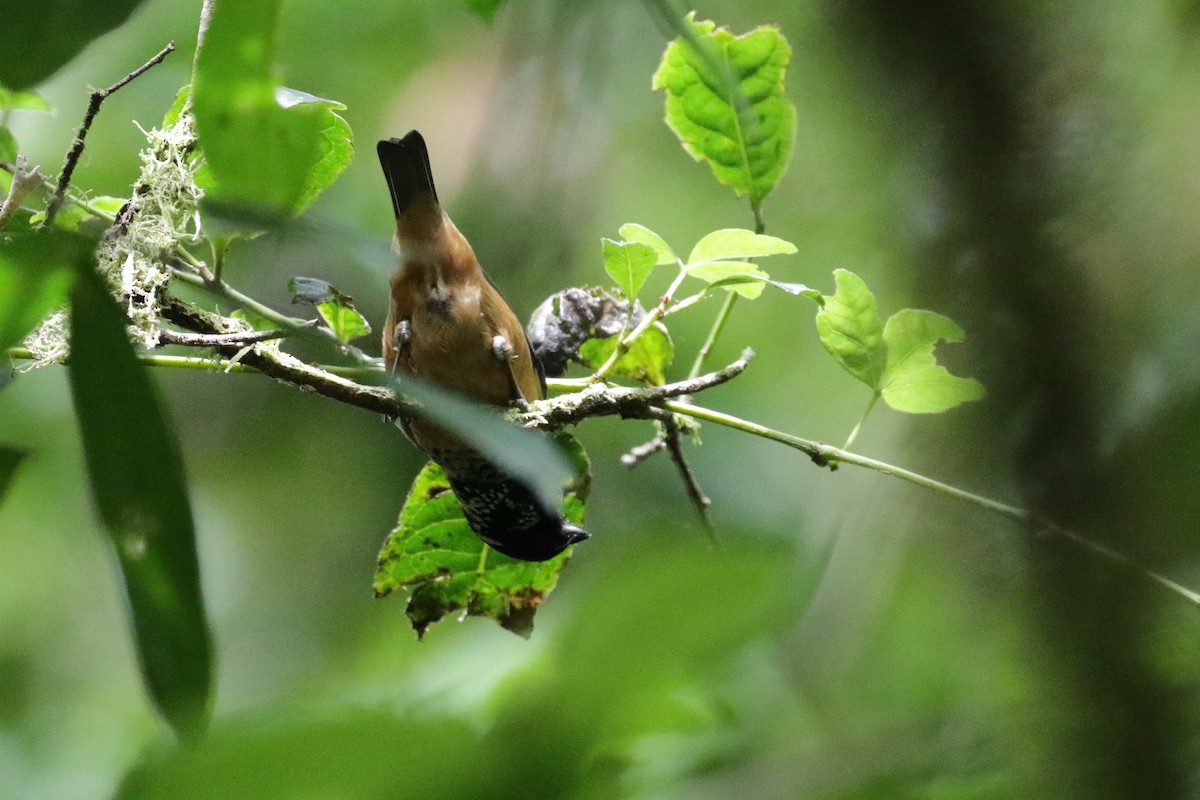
24 181
700 501
73 155
642 452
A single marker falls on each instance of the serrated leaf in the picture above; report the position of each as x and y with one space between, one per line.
737 243
646 360
10 459
632 232
725 101
268 150
139 490
629 264
438 559
913 381
35 276
851 330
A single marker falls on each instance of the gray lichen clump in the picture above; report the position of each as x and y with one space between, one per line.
133 255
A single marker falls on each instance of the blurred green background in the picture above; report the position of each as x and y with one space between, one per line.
1030 171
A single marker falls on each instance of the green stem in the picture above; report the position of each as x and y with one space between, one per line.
858 427
483 554
824 454
158 360
713 334
626 341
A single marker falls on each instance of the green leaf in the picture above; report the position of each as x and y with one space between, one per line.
35 276
629 264
73 217
913 381
434 555
10 459
177 105
27 101
268 150
632 232
41 37
851 330
335 308
736 282
138 484
646 360
8 146
726 102
344 320
485 8
737 243
739 276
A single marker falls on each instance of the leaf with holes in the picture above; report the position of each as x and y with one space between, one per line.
913 381
435 556
726 102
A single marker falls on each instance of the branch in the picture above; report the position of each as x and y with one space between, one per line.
98 97
700 501
599 400
24 181
215 340
826 455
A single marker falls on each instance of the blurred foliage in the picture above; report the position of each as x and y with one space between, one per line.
852 638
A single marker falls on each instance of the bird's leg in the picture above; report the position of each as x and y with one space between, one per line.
502 349
402 336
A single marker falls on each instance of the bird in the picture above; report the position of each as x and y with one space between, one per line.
447 323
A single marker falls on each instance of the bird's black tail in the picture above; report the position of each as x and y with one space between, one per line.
405 163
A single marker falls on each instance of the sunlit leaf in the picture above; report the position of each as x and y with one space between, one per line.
739 276
268 150
739 280
726 102
736 243
27 101
632 232
10 459
646 361
72 216
138 485
8 146
435 556
336 308
35 276
851 330
629 264
914 381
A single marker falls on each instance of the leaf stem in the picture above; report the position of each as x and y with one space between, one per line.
858 426
828 455
714 333
627 341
